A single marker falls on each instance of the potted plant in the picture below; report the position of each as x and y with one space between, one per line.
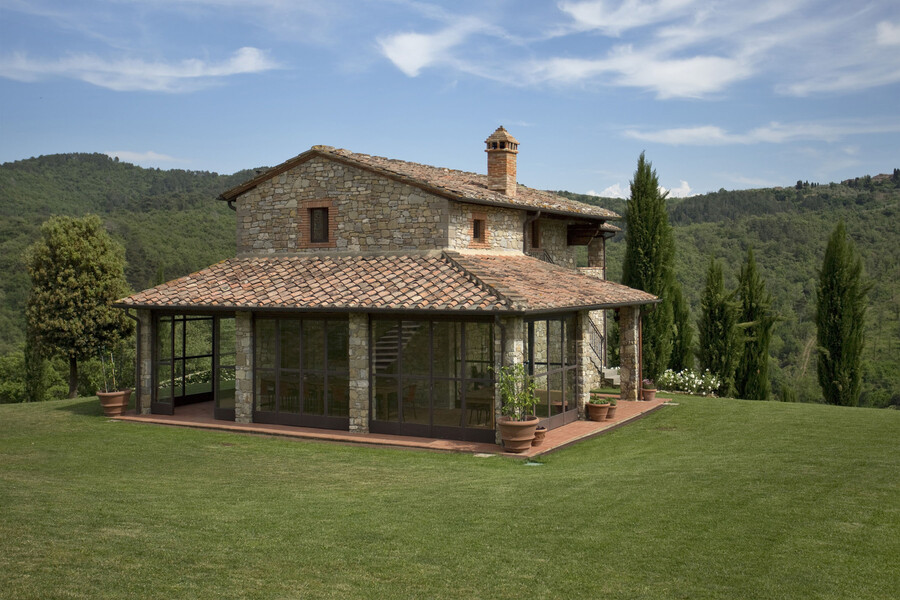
597 408
611 412
539 435
648 390
517 425
113 400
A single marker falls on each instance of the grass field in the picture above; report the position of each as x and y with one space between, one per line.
708 499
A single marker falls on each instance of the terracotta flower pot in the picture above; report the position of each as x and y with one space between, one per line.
611 413
517 435
648 394
539 434
597 412
114 403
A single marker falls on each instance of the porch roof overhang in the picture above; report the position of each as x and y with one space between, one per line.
446 283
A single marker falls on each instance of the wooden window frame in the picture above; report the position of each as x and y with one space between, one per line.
479 221
305 214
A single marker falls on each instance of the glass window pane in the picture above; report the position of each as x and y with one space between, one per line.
415 348
446 349
386 340
571 398
314 393
289 392
479 350
164 337
265 391
289 342
199 336
416 394
338 347
225 392
571 341
542 408
447 403
164 382
555 392
479 404
314 345
338 396
178 326
540 347
384 399
226 341
178 392
198 375
265 343
554 343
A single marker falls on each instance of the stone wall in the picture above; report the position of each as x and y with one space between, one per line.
588 376
367 211
554 239
504 226
629 352
509 349
243 367
359 372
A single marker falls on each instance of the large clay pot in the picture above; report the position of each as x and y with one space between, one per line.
114 403
539 434
597 412
648 394
517 435
611 413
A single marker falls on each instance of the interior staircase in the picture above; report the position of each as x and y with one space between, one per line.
386 347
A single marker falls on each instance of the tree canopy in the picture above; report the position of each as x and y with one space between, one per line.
77 272
756 320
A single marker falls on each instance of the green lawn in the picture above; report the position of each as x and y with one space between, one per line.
708 499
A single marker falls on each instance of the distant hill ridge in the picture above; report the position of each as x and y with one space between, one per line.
170 225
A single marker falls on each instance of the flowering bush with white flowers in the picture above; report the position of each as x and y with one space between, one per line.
689 382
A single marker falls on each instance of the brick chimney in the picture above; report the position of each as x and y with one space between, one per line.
501 150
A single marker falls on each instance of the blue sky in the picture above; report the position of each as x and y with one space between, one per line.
720 94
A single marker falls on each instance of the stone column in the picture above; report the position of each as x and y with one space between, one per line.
144 381
629 352
509 349
597 255
243 367
359 372
587 374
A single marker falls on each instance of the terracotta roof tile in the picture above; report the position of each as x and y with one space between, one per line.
461 185
451 282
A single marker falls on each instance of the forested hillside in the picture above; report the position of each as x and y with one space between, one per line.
171 224
788 229
168 221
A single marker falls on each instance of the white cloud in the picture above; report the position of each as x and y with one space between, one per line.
887 34
136 74
603 16
143 158
682 191
773 133
614 191
412 52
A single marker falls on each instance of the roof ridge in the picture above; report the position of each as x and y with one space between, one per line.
452 259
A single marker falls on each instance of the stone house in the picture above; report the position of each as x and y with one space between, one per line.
378 295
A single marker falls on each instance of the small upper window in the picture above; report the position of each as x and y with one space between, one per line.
478 231
318 225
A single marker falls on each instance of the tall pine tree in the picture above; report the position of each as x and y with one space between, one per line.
840 320
717 329
756 320
649 263
683 337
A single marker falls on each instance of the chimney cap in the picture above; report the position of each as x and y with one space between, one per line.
501 135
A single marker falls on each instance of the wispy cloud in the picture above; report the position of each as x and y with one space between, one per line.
613 18
412 52
773 133
887 34
137 74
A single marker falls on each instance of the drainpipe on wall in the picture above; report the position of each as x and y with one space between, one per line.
137 362
232 206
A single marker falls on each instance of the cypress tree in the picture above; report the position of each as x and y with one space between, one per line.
683 337
756 321
77 271
840 320
649 263
717 329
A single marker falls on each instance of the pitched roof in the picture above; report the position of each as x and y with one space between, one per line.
447 283
456 185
